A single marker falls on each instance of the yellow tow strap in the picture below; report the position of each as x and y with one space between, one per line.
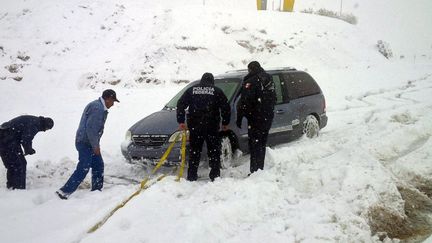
143 183
165 155
183 156
101 222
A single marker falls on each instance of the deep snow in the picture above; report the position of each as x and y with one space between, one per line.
327 189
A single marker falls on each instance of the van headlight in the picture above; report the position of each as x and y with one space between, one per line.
180 134
128 141
128 136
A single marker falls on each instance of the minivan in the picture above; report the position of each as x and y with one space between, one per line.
300 110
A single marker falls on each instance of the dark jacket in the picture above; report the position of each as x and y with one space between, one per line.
258 97
206 102
92 124
22 130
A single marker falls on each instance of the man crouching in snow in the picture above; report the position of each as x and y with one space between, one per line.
15 133
87 143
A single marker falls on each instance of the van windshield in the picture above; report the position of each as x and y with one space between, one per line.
228 86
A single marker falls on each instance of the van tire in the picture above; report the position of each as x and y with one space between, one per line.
311 126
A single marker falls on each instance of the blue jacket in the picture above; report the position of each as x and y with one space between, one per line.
92 123
22 130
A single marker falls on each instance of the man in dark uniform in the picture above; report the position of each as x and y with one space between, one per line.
207 103
15 133
257 102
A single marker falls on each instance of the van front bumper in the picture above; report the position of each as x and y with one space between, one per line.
152 155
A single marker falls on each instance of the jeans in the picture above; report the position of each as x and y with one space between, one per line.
87 160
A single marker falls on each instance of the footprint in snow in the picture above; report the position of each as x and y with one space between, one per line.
125 224
41 198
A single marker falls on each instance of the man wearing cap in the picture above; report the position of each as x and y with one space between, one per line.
14 134
87 140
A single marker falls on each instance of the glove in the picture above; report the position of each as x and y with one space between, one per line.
30 152
182 126
239 123
97 151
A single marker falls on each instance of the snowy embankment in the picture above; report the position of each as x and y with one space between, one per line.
364 174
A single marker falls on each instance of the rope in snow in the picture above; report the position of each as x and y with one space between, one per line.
143 184
183 156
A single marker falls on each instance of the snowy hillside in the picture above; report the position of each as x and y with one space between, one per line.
404 25
132 43
369 171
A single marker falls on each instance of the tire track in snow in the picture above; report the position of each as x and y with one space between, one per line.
411 147
407 88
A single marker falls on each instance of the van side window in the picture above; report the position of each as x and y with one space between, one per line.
300 84
278 88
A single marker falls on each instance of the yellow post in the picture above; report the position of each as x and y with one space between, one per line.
288 5
258 4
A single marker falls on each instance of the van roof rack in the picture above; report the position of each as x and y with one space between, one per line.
237 71
268 69
283 68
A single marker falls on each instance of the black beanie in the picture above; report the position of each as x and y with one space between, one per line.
46 123
207 78
254 67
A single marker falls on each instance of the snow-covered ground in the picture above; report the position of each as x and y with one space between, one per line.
369 169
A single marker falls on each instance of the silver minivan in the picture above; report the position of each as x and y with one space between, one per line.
300 110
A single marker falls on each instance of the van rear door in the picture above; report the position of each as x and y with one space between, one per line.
305 95
285 114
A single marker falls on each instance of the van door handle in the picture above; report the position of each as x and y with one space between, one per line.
280 111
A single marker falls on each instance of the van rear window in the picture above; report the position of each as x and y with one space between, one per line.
300 84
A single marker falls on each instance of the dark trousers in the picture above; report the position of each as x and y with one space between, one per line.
13 159
198 135
258 132
87 160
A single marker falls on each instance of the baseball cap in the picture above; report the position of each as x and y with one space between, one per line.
109 93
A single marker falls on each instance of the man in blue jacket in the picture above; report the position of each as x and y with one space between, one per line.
15 133
87 140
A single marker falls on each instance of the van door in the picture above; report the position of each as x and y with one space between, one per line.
300 87
285 116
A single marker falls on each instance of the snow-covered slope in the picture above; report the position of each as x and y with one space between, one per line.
132 42
367 172
405 25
